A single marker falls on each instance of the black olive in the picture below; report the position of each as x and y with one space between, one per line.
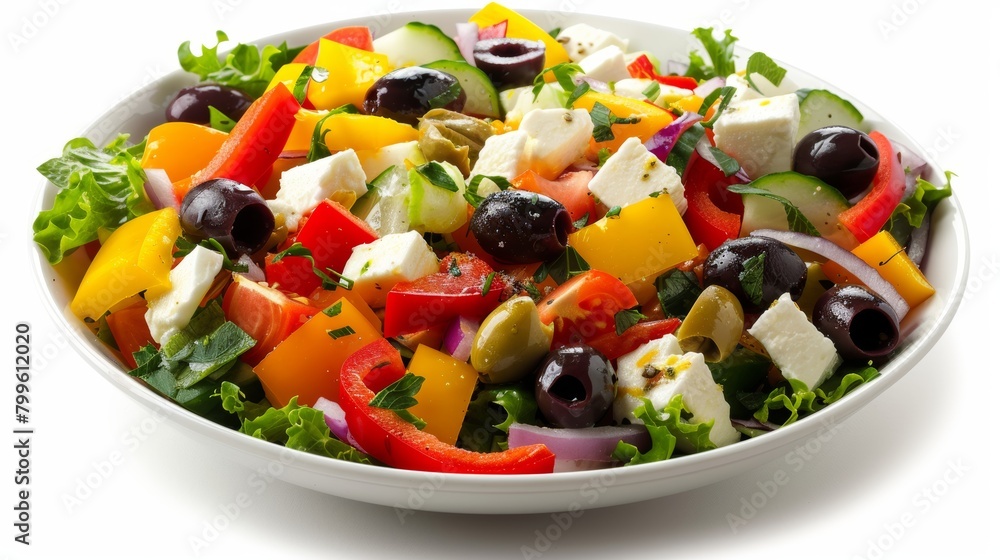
841 157
510 62
575 386
861 324
229 212
191 103
406 94
521 227
783 270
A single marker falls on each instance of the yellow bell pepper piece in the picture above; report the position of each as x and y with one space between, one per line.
307 363
181 148
288 75
301 137
520 27
689 104
643 241
365 132
351 72
885 255
651 117
445 393
136 257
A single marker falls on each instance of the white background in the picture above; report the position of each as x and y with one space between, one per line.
929 66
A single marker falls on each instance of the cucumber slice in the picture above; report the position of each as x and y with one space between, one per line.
819 108
385 207
481 99
820 203
374 162
417 43
435 209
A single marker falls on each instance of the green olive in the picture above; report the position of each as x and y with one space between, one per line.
714 325
453 137
510 342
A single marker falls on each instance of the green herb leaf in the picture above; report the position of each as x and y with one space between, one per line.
726 93
582 222
728 165
613 212
301 84
555 32
567 265
797 221
317 145
400 395
488 283
334 309
762 64
219 121
533 292
602 156
680 154
436 175
677 291
752 278
453 268
578 91
603 118
450 94
626 318
720 52
98 189
298 250
341 332
563 74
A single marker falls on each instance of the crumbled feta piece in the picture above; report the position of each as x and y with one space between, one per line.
339 177
760 133
632 174
743 90
377 266
606 65
659 370
556 138
504 155
581 40
190 281
798 349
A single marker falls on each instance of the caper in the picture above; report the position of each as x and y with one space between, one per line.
510 342
714 325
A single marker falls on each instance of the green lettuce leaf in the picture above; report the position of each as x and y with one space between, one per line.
294 426
99 189
666 428
492 412
246 67
910 213
720 52
797 401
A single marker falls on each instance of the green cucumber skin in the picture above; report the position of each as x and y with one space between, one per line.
819 108
820 203
417 43
481 98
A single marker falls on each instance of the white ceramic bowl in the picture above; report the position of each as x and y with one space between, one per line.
946 266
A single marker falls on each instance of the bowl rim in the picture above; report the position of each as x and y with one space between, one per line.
920 338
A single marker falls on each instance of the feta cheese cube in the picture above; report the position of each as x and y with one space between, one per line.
517 102
659 370
582 40
799 350
377 266
632 174
606 65
760 133
505 155
743 90
190 281
556 138
339 177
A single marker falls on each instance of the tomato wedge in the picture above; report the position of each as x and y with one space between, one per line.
569 189
614 346
585 307
384 435
437 299
130 331
266 314
357 36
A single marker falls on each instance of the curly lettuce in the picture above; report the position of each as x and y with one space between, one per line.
99 189
246 67
797 400
665 428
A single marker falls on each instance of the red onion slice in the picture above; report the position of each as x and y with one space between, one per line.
160 190
458 338
595 84
336 420
579 444
914 167
709 86
918 242
851 262
664 140
254 272
468 34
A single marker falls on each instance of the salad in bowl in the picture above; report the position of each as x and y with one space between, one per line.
496 248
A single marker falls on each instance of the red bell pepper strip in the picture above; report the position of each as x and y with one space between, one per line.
330 233
437 299
384 435
614 346
357 36
713 214
867 217
256 141
642 67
